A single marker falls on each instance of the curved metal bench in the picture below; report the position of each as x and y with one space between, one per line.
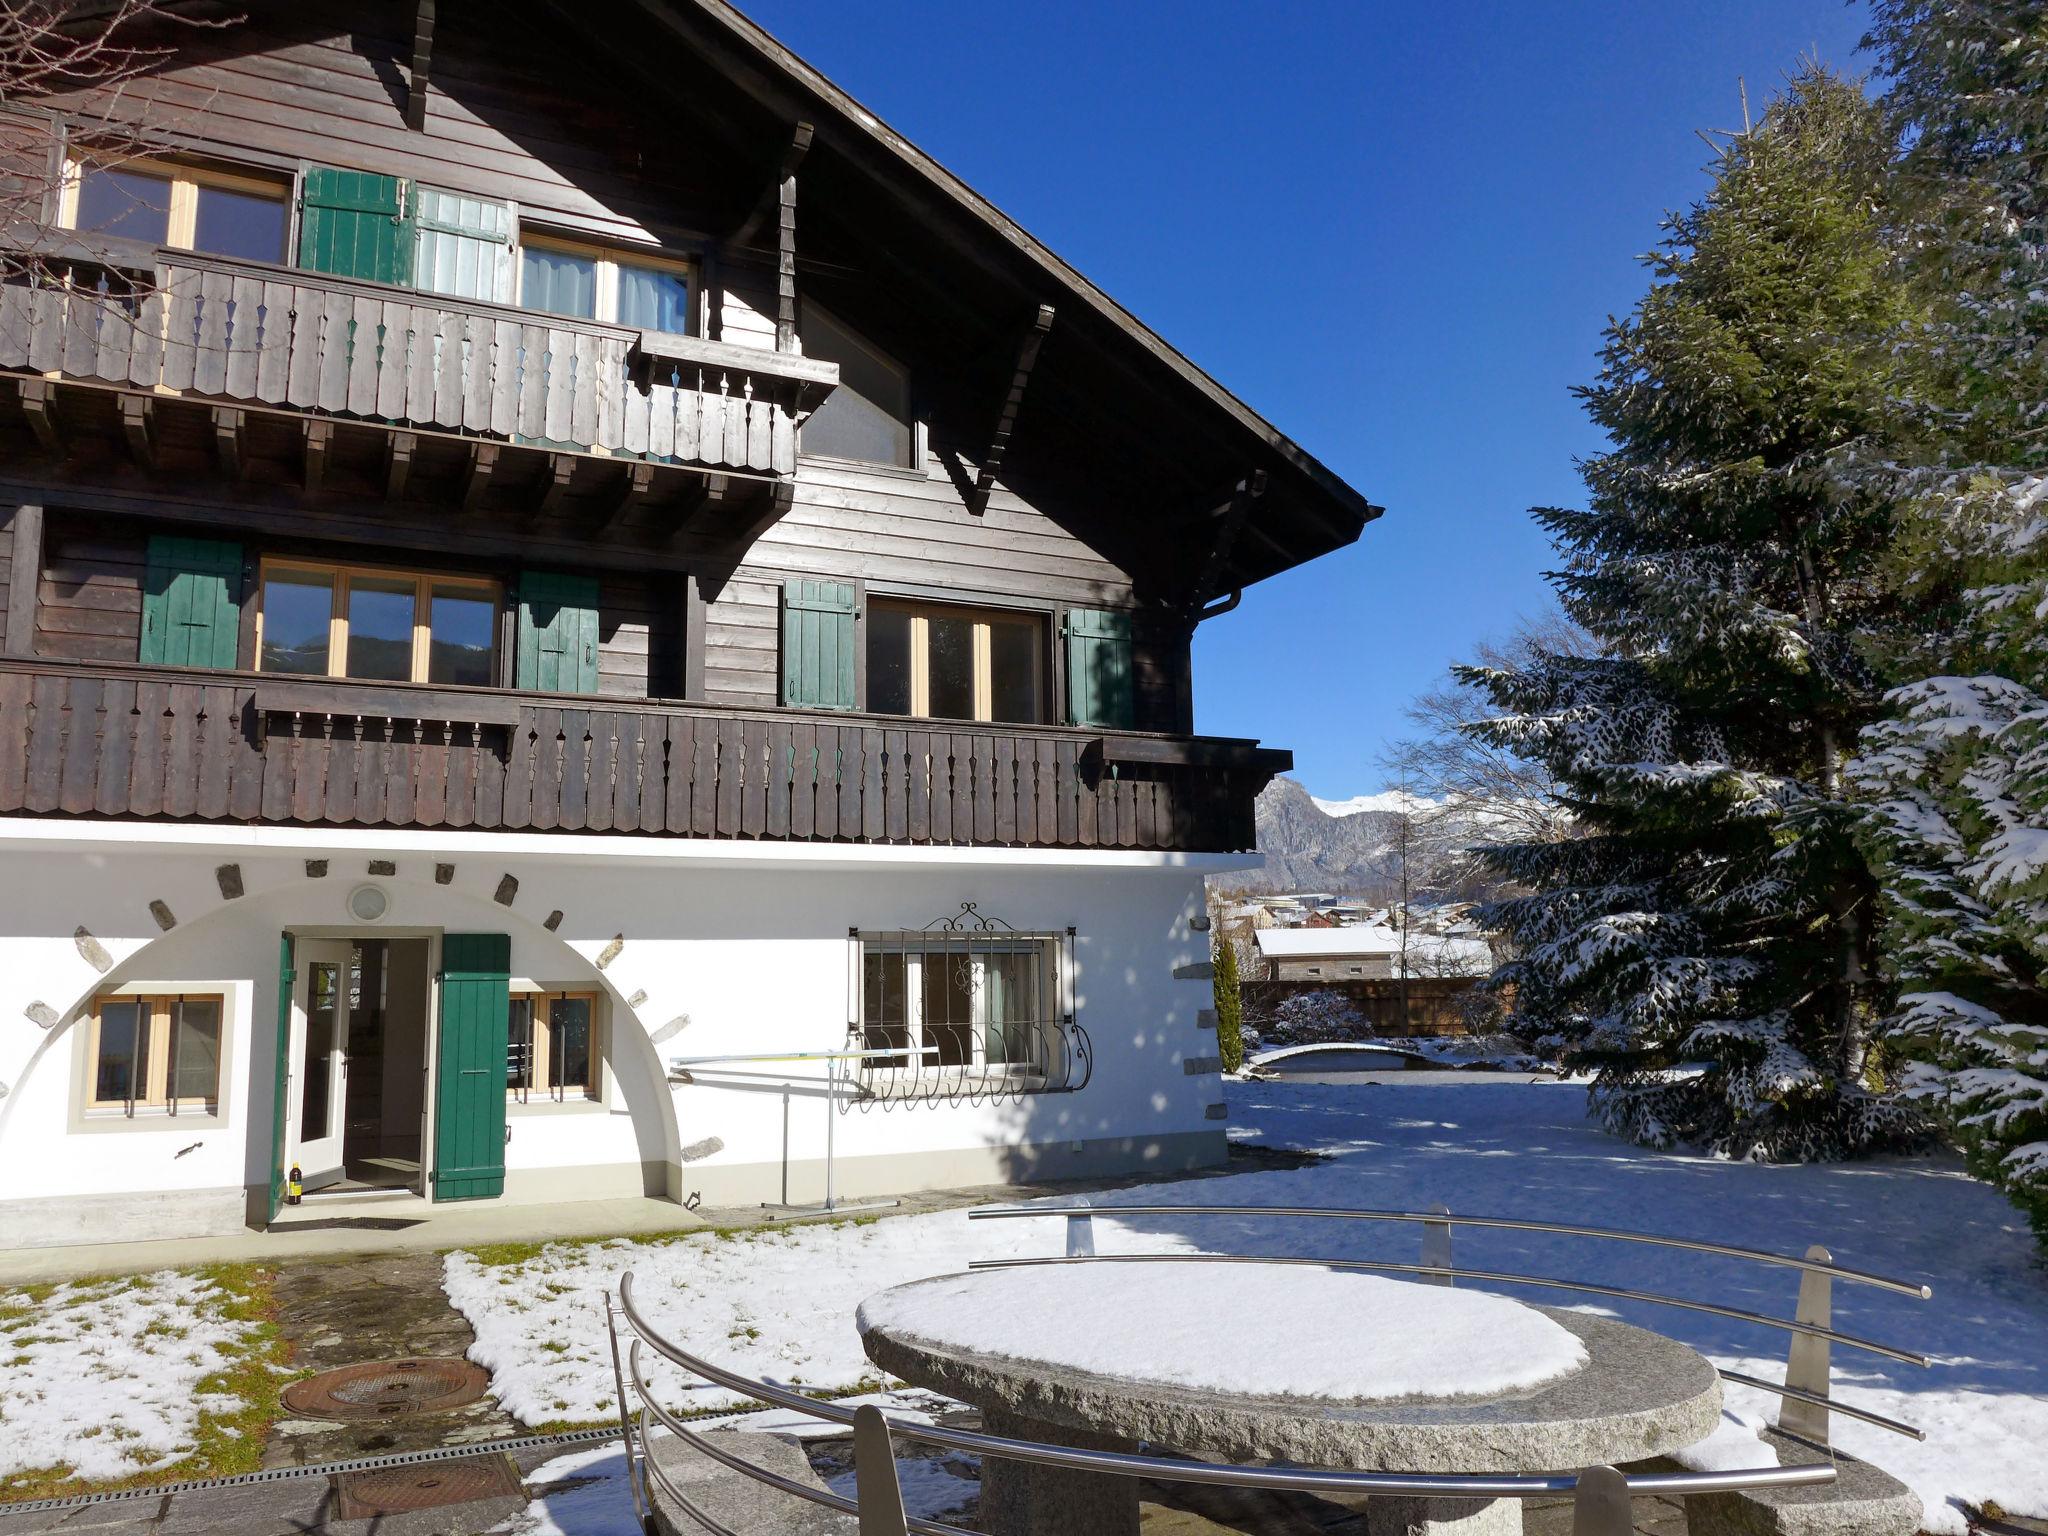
1862 1500
1600 1494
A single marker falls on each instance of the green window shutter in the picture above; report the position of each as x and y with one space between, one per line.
191 602
469 1098
356 224
1099 669
817 644
556 645
465 246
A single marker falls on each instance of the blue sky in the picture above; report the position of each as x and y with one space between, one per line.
1394 227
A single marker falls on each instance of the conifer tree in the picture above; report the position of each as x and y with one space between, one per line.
1718 911
1229 997
1959 776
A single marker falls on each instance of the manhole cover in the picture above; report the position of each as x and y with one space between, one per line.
387 1389
397 1490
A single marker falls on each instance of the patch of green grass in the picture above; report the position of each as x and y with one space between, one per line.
224 1443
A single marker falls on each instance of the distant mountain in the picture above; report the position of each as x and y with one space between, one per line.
1310 845
1394 802
1347 847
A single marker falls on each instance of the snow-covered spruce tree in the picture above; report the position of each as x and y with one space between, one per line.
1959 776
1718 912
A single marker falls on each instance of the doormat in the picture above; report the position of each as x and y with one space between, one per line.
387 1389
400 1490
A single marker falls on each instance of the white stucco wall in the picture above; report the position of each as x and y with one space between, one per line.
750 942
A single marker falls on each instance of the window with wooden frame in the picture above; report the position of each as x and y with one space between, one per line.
554 1047
595 282
155 1052
197 208
947 663
318 619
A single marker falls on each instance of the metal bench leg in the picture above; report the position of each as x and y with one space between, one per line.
1436 1245
1600 1508
1081 1236
1807 1365
874 1471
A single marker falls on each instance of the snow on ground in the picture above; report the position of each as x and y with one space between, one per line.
103 1376
586 1493
1077 1319
782 1303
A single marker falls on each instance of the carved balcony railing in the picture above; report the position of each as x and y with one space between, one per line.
135 741
255 334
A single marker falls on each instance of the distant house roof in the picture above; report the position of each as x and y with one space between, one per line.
1428 953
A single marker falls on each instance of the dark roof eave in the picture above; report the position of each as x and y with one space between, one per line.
1349 505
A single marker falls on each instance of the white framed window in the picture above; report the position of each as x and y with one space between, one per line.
940 662
555 1047
155 1052
955 1002
162 202
594 282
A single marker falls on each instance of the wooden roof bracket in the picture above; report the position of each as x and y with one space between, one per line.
1006 419
1249 490
771 200
422 61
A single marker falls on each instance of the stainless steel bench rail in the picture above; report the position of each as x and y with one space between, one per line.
1600 1494
1807 1405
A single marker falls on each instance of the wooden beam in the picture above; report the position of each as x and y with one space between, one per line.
422 60
227 440
319 438
693 615
771 199
1249 490
785 241
758 513
630 493
554 485
138 426
42 420
1006 419
688 513
24 577
398 466
483 459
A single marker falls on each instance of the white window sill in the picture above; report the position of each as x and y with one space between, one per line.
538 1108
146 1119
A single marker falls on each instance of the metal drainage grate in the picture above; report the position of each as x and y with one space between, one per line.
387 1389
400 1490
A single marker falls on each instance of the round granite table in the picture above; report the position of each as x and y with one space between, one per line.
1058 1354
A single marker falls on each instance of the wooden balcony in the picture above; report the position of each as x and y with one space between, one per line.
150 742
249 334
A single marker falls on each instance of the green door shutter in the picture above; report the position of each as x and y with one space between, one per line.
355 224
287 977
817 644
191 602
1099 669
556 646
469 1104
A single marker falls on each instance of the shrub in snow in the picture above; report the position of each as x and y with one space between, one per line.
1317 1018
1229 996
1716 913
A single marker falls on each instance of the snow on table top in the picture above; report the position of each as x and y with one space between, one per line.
1257 1330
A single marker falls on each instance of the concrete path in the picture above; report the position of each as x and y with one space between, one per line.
320 1231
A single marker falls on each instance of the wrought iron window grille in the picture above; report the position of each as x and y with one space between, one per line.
964 1010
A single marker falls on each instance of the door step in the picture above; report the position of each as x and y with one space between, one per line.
327 1201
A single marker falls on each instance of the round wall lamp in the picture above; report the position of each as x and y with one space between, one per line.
368 903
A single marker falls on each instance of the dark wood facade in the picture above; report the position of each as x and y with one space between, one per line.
155 390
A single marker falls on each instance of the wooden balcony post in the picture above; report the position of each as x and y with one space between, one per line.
24 573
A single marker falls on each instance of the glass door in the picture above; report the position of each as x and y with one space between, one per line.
327 978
